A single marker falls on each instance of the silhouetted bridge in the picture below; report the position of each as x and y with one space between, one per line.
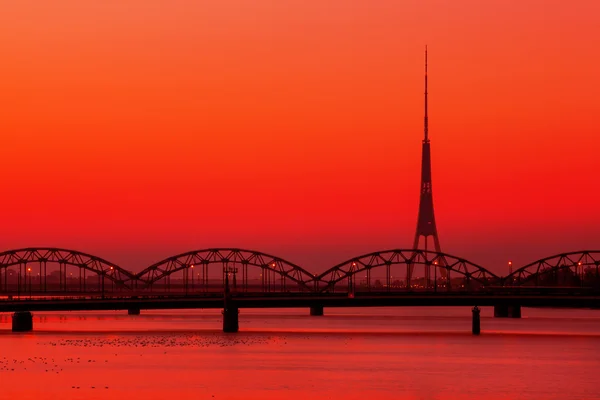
50 279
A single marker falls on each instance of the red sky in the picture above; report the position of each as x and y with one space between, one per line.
135 130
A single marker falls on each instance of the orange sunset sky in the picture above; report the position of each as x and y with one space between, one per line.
139 129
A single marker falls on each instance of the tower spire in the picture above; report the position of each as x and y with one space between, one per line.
426 139
426 227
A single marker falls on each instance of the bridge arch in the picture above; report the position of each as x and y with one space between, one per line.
577 268
34 275
247 271
404 269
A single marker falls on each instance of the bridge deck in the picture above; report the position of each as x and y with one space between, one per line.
298 301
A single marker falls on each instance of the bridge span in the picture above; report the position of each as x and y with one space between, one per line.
259 300
506 304
52 279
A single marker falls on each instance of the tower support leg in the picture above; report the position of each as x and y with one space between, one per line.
476 328
22 321
230 319
316 311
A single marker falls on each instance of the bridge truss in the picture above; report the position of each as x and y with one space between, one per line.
50 271
579 268
402 269
54 270
206 270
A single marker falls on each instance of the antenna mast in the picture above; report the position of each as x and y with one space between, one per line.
426 140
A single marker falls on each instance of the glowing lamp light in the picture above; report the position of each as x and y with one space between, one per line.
272 265
29 269
192 266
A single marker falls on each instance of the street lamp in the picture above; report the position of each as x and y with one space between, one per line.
112 281
192 268
28 275
435 276
231 271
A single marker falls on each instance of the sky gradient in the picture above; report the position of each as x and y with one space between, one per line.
135 130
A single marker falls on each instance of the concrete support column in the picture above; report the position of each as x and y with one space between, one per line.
501 311
476 328
230 319
316 311
506 311
134 311
22 321
514 311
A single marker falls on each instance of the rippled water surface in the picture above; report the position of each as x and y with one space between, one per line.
383 353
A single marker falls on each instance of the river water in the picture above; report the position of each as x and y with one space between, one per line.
378 353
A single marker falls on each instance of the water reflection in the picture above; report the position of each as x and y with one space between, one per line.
418 353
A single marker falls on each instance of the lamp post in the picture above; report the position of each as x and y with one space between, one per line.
28 276
231 270
112 280
350 276
192 268
435 276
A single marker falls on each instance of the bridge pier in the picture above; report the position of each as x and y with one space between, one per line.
507 311
134 311
22 321
514 311
501 311
316 311
230 319
476 328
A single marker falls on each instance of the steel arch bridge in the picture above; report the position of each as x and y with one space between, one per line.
578 268
72 275
54 271
401 269
247 270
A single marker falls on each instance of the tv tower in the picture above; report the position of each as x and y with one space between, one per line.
426 221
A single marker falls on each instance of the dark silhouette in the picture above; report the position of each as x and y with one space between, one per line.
426 226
